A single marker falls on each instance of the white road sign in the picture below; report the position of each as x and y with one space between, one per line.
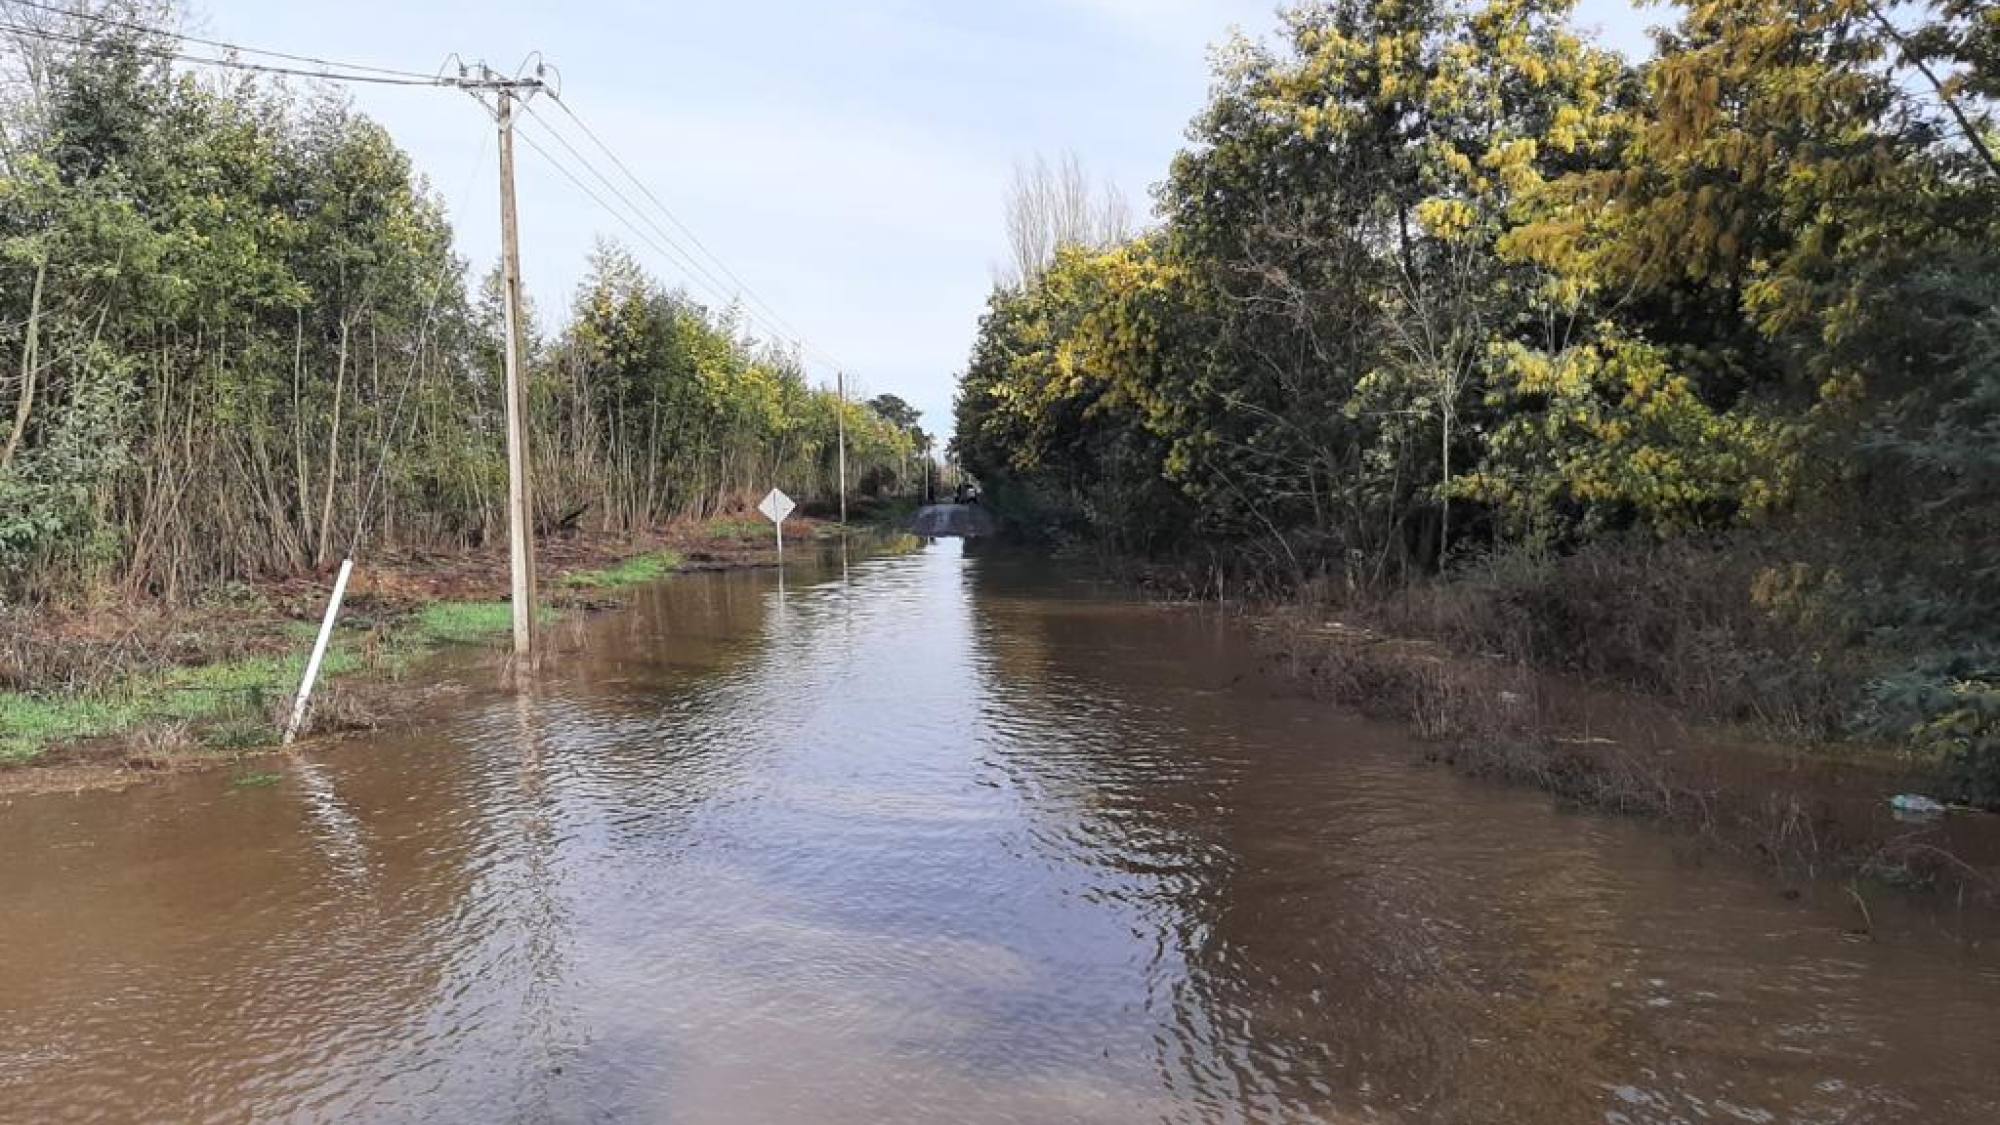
777 506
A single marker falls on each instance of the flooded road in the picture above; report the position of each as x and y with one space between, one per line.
950 839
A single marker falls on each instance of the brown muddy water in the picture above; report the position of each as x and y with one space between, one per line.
950 838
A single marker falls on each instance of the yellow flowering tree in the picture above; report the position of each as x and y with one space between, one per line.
1605 433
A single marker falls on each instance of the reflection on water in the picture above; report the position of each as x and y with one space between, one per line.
930 837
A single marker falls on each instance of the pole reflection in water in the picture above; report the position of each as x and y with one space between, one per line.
933 836
336 829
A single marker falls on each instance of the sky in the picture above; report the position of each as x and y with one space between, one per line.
848 161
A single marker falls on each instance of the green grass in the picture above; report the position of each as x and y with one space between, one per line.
29 723
464 623
636 571
247 733
457 623
307 631
238 686
256 780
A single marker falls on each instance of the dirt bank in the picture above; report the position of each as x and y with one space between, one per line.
116 693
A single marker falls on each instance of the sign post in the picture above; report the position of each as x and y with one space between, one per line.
776 506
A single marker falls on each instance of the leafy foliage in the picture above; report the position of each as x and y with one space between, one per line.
1434 280
213 296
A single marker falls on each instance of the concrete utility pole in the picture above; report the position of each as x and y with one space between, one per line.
840 427
520 494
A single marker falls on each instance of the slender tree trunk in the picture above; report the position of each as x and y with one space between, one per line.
1444 494
380 435
304 469
30 350
333 449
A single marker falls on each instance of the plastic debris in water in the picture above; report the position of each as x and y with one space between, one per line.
1915 804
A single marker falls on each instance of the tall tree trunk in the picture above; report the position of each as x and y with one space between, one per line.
304 469
333 448
30 349
1444 494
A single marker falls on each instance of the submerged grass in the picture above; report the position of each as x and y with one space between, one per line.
636 571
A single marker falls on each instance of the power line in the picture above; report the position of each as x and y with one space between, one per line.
792 332
331 70
684 255
128 25
673 218
387 79
770 319
670 250
636 230
779 332
230 64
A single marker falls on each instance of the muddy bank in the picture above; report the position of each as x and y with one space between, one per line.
1808 809
113 694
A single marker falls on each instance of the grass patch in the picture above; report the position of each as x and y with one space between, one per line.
29 724
636 571
463 623
241 686
457 623
255 780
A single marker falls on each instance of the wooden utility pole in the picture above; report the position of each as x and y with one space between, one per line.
840 428
520 505
520 494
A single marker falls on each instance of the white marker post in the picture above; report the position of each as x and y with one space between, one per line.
776 507
318 653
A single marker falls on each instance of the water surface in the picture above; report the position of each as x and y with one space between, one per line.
944 838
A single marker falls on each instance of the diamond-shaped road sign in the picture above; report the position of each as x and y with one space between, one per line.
777 506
